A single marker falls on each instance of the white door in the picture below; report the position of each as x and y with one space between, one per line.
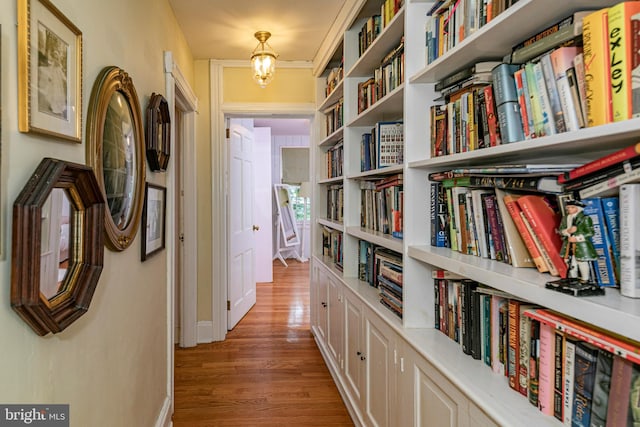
241 287
262 209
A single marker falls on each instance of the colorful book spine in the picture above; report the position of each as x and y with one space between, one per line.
629 240
601 387
548 122
562 61
610 186
544 221
584 379
492 117
604 162
604 266
514 344
569 368
506 99
558 380
514 212
552 91
619 391
611 210
524 103
546 371
519 255
534 96
534 362
595 37
622 58
496 364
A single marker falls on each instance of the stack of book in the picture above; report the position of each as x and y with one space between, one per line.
335 202
335 160
382 205
566 368
382 268
332 246
334 117
388 76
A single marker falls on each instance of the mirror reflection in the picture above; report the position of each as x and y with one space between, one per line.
55 253
119 160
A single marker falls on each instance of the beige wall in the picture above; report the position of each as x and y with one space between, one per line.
291 85
110 365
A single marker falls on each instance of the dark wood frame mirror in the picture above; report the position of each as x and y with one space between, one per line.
115 141
158 133
75 290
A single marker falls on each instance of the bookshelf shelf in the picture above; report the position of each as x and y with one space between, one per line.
376 238
336 180
333 97
583 145
524 18
331 224
387 108
611 311
387 40
377 173
332 139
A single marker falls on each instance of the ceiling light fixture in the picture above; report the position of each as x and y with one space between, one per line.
263 60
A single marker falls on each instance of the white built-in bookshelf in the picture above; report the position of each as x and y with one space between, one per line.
419 358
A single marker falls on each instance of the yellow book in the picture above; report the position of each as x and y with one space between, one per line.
621 40
596 67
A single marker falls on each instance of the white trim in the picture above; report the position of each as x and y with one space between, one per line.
345 18
267 109
218 205
205 332
164 417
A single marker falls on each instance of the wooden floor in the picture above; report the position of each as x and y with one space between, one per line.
268 372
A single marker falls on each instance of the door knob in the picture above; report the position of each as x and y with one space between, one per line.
256 228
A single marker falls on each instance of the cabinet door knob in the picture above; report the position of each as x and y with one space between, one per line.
324 304
256 227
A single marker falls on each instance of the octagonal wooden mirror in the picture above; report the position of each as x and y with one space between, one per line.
115 150
58 245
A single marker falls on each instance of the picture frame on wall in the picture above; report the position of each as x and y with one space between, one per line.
49 71
153 219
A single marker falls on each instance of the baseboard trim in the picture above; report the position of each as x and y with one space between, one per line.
204 331
164 417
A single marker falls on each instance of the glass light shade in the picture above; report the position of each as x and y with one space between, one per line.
263 60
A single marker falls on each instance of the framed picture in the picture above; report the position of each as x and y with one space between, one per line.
49 71
153 219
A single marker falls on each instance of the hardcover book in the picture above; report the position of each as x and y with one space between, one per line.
569 368
623 374
604 265
514 210
604 162
562 61
623 59
602 385
519 255
595 37
584 380
629 240
546 371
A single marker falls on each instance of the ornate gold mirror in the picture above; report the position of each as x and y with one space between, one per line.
115 149
58 245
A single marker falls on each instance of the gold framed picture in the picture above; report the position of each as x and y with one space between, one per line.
49 71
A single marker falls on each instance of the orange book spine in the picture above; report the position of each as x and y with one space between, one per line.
596 64
621 57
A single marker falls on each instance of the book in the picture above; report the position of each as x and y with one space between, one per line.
544 221
622 59
558 379
569 367
629 240
524 102
608 341
566 30
506 100
542 96
610 186
604 264
603 175
578 65
537 113
552 90
389 143
623 373
562 61
465 73
513 352
514 210
595 36
586 360
601 163
602 385
492 117
480 220
574 89
534 362
519 255
611 211
524 352
546 369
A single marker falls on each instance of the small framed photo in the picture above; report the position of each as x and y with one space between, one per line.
153 219
49 71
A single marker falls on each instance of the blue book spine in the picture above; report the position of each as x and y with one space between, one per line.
504 84
584 377
510 122
604 264
611 210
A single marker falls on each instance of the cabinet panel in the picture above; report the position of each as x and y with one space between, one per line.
335 323
477 418
321 304
380 347
353 350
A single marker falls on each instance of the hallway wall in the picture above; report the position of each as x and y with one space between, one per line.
111 364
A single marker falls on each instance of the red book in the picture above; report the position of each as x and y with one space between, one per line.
492 118
620 388
544 221
510 201
603 162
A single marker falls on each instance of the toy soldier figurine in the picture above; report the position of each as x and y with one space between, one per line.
578 251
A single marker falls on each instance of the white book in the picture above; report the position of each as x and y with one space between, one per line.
543 98
478 214
569 363
629 240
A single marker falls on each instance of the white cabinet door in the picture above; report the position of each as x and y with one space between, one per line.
353 348
335 324
436 401
321 305
380 345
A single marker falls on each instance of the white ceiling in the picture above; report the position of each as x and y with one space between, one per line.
221 29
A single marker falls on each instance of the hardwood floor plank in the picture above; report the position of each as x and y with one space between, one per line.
268 372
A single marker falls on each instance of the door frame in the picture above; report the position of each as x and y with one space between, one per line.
220 173
178 91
